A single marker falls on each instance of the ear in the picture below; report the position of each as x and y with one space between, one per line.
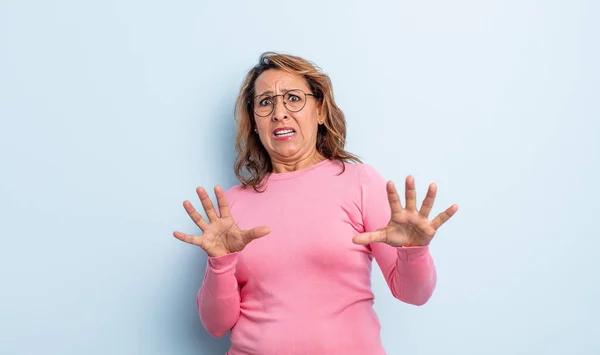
321 116
319 113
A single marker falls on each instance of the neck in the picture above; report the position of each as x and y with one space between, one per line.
285 166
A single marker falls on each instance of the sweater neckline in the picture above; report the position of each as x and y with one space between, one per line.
297 173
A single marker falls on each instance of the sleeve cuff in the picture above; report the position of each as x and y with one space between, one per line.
223 264
412 255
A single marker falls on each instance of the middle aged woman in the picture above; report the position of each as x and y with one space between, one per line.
290 249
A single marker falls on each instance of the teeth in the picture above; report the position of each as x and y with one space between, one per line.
287 132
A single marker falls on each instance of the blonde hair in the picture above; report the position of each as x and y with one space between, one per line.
253 162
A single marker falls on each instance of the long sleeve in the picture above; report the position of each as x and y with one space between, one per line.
219 296
409 271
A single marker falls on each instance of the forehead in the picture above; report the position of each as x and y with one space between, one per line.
277 81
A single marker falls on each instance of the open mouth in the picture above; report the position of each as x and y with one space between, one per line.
284 133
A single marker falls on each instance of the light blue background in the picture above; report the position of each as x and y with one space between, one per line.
112 112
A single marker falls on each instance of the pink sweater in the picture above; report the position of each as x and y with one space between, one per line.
305 288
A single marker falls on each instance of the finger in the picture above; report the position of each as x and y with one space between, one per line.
222 202
444 216
370 237
188 238
194 215
411 194
207 204
255 233
428 201
394 200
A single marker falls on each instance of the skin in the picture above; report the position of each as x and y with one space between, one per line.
408 226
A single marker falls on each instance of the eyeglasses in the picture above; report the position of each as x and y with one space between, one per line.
294 100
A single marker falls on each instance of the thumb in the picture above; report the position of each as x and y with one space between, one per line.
255 233
369 237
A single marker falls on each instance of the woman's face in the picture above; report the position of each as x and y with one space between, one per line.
286 146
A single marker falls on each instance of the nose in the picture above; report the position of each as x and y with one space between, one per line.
280 112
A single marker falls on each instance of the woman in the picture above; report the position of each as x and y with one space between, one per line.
290 249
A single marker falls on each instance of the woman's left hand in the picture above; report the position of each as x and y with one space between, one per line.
408 227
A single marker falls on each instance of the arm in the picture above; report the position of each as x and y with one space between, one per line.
218 299
409 271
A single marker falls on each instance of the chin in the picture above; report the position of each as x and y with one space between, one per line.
288 153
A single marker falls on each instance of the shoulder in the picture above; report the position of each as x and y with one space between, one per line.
363 179
236 192
233 190
364 173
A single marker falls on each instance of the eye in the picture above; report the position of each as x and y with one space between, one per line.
293 98
265 101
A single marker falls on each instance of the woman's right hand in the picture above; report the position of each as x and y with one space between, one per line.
221 236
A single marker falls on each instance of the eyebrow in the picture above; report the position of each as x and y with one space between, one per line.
270 92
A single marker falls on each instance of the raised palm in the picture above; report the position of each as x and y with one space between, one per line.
408 226
221 235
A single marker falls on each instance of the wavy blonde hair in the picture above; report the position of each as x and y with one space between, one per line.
253 162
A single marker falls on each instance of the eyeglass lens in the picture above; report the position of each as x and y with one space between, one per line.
294 100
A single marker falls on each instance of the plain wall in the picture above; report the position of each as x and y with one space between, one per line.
112 112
